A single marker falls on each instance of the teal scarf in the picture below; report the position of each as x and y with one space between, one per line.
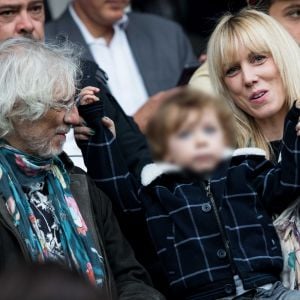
18 169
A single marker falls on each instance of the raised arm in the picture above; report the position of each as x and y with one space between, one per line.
280 185
105 162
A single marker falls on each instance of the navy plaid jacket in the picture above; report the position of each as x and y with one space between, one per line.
205 231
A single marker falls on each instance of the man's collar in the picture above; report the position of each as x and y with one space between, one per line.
121 24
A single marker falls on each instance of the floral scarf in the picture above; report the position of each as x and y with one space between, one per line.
18 169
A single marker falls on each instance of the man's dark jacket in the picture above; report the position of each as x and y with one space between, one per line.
125 278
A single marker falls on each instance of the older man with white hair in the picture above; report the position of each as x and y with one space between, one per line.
49 210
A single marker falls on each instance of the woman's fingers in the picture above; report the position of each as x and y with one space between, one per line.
82 132
298 127
107 122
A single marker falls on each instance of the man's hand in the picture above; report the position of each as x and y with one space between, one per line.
148 110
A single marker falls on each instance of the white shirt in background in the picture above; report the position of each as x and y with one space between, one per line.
125 81
73 151
116 59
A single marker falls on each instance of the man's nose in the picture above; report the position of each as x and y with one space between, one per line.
72 117
25 24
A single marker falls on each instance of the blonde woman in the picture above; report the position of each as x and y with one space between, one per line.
255 65
251 53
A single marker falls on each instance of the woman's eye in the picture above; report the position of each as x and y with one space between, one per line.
258 59
232 71
209 130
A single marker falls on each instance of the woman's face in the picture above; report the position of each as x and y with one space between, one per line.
255 85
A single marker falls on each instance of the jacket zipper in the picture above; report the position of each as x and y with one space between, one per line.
221 228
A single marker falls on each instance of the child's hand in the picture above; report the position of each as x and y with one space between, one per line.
87 95
107 122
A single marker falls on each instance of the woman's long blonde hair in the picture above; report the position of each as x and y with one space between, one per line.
259 33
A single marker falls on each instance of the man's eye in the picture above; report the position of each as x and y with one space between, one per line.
37 9
209 130
232 71
7 13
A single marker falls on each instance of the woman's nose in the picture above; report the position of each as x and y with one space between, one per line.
249 75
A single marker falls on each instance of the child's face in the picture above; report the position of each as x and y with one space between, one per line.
199 144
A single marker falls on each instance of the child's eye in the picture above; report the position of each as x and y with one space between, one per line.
184 134
209 130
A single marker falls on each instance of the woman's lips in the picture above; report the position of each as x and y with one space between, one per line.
258 97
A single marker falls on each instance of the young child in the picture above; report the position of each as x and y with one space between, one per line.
208 208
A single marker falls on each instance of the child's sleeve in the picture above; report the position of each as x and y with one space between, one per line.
280 185
105 163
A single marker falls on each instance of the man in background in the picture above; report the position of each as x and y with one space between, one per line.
142 54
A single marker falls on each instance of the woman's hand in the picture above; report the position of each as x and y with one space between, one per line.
87 95
109 123
298 127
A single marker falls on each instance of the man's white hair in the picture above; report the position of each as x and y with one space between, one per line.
33 75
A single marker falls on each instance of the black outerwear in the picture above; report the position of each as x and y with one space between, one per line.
206 231
136 155
132 142
125 278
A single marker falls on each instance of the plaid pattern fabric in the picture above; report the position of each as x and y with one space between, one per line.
247 189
